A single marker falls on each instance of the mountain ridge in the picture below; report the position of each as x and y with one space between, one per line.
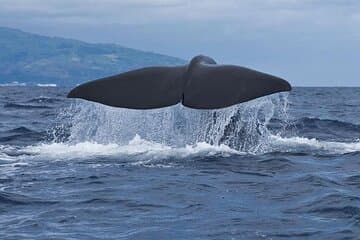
37 59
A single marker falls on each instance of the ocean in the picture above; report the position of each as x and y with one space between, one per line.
285 166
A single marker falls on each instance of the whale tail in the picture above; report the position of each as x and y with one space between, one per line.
202 84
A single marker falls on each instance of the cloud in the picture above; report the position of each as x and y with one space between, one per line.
257 12
313 42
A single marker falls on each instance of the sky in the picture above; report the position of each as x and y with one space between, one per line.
307 42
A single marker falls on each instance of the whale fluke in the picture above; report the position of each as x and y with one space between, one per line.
202 84
144 88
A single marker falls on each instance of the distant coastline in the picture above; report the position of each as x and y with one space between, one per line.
28 58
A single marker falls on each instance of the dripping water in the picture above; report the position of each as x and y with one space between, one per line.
242 127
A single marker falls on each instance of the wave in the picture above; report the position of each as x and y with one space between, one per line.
311 145
46 85
20 130
308 121
323 129
19 199
24 106
21 136
316 123
13 84
334 205
42 99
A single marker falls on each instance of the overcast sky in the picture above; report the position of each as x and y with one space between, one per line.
308 42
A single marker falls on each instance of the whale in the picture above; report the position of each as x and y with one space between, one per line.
200 84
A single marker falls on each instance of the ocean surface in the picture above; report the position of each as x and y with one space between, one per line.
286 166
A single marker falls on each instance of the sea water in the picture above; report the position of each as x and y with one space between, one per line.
285 166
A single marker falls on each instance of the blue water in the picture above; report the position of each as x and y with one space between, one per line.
279 167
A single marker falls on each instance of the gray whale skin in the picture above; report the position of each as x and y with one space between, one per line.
201 84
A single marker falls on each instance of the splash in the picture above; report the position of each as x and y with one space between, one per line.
241 127
137 147
140 151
